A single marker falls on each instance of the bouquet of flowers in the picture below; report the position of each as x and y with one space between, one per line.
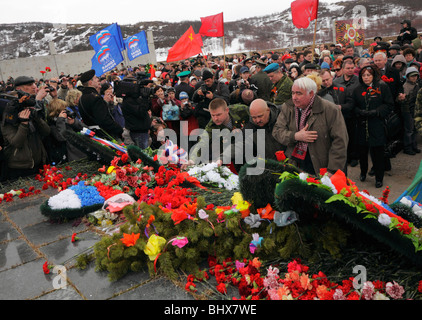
213 174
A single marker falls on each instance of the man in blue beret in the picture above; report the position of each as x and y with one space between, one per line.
282 89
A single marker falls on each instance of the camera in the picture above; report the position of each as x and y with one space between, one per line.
12 105
134 87
50 88
204 89
70 114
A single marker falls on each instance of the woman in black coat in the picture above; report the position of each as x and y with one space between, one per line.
372 101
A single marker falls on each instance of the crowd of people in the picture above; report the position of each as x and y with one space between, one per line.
327 107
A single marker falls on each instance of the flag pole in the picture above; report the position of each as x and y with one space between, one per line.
224 51
313 45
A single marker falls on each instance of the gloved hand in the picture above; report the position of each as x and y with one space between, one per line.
367 113
372 113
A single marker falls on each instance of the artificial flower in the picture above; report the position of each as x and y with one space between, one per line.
255 243
237 198
202 214
180 242
129 240
154 245
267 212
178 216
253 220
285 218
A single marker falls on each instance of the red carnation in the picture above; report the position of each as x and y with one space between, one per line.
222 288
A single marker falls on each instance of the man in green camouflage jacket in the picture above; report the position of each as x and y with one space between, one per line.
282 90
231 118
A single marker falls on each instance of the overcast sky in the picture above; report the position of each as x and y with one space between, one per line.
133 11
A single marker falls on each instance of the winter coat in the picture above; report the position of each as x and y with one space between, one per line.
282 91
264 85
94 111
370 128
63 150
400 58
239 116
393 80
330 148
407 37
271 144
183 86
24 148
187 114
418 112
135 112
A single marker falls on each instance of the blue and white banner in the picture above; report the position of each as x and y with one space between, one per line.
100 38
107 57
137 45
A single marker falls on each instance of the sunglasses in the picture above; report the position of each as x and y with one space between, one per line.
337 70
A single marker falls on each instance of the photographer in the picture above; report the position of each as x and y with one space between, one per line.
23 129
94 109
63 87
60 119
187 114
136 112
208 90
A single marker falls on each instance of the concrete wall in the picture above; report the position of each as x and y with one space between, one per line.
69 63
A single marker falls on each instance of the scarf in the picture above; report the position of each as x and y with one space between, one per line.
301 122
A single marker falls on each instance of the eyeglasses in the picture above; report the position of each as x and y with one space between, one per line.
337 70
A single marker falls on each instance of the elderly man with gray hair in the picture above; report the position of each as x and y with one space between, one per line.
313 129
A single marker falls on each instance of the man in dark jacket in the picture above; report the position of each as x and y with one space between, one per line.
407 33
208 90
261 80
184 85
94 109
137 119
337 93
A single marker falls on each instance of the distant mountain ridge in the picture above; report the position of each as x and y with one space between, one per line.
255 33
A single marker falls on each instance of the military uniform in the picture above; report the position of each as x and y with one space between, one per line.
263 84
282 91
239 116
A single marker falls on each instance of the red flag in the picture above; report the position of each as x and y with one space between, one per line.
303 12
212 26
187 46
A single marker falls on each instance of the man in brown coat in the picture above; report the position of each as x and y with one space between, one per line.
313 129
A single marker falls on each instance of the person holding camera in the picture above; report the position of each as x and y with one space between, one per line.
208 90
93 108
23 129
60 119
136 112
63 87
